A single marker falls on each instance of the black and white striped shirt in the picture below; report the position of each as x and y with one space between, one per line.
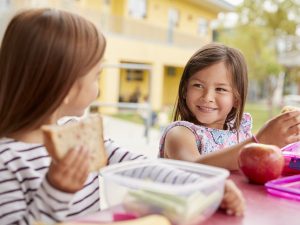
26 196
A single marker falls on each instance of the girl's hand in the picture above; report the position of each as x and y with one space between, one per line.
233 201
281 130
70 173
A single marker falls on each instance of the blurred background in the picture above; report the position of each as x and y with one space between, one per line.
150 41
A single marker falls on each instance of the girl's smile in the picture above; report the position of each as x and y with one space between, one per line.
206 109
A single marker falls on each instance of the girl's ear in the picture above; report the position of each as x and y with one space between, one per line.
72 94
66 100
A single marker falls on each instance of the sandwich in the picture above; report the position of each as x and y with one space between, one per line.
289 109
88 132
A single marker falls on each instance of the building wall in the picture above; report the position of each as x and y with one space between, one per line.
188 15
148 40
153 54
158 54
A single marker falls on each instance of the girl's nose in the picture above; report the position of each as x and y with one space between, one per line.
208 96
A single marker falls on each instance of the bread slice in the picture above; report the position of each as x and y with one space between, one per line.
289 109
87 132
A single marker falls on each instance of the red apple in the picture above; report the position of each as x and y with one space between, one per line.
260 163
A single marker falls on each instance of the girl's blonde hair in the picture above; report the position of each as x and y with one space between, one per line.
205 57
43 52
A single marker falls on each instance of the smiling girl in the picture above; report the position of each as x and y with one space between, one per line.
210 125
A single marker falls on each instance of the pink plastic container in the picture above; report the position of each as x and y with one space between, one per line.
286 187
291 155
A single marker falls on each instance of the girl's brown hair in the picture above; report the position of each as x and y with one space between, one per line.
205 57
43 52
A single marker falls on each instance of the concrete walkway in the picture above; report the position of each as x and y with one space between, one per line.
131 136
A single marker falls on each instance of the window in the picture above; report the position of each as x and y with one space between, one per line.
171 71
134 75
137 8
202 26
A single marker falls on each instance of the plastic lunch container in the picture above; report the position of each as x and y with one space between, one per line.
291 155
163 186
286 187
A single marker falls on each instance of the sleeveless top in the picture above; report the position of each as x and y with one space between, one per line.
212 139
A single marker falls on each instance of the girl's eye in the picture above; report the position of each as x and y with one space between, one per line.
221 90
198 85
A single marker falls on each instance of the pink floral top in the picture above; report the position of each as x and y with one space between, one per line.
211 139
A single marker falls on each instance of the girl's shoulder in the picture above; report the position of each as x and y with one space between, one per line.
15 154
9 145
182 123
176 124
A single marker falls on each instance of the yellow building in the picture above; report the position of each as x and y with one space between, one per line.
157 34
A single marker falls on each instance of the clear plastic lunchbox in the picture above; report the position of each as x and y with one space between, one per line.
184 192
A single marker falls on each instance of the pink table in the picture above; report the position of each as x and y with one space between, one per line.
261 207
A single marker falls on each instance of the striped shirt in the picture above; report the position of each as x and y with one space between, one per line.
26 196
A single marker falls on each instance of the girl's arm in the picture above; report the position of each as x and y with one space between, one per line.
180 142
24 204
27 195
226 158
117 154
281 130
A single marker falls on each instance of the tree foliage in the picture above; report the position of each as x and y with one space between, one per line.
260 25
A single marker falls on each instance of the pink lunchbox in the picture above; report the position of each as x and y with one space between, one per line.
286 187
291 155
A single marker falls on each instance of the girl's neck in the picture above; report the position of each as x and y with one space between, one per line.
32 135
29 136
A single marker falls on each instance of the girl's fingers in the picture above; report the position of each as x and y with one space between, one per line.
72 162
292 138
71 157
233 201
70 173
294 129
82 176
78 172
292 134
291 118
81 158
235 204
81 167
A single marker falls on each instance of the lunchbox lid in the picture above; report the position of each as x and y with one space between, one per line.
287 187
291 153
291 149
210 174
